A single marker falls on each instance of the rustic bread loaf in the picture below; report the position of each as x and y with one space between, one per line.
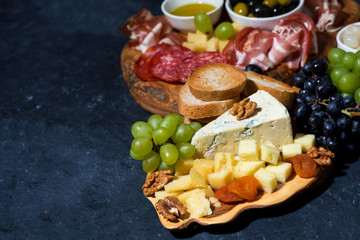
216 82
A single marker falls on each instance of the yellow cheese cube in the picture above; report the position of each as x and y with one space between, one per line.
282 171
187 182
269 153
197 37
248 150
183 166
163 194
247 168
267 180
184 196
290 150
204 166
222 44
212 44
223 160
198 205
237 27
307 141
220 178
197 178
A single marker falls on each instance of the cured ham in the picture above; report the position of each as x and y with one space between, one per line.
327 14
289 43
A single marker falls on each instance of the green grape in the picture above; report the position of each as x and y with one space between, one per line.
357 53
337 72
186 150
136 156
202 22
161 135
179 119
141 129
169 122
224 31
195 126
348 83
169 153
331 66
335 55
357 95
142 145
164 166
349 60
183 133
356 67
154 120
151 162
344 94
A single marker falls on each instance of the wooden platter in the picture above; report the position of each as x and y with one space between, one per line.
227 212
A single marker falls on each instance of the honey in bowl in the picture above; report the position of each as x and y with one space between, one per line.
192 9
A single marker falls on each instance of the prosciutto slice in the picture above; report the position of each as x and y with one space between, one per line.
327 14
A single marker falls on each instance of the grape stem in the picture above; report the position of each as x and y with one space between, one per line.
350 112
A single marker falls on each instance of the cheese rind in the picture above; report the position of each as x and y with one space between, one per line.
269 123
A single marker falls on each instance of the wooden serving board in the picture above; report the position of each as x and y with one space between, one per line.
161 98
227 212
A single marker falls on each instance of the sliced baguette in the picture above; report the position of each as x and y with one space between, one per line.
281 91
194 108
216 82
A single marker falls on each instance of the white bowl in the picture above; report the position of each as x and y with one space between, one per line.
267 23
186 24
339 41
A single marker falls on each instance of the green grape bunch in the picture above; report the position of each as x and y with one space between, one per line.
161 142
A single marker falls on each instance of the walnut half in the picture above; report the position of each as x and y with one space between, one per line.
155 181
243 109
170 208
321 155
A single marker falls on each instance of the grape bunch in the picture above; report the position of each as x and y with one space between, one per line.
321 110
160 142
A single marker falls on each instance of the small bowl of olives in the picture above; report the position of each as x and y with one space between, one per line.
264 14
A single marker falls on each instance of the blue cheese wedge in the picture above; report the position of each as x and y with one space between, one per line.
269 123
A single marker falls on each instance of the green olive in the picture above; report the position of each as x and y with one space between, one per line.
270 3
241 9
284 2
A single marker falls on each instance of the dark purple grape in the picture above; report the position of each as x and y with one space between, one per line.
323 115
298 100
261 10
299 79
319 66
316 107
307 69
329 128
302 92
333 108
355 129
321 140
348 102
302 111
333 143
344 136
314 121
325 88
308 97
344 122
309 85
336 98
254 68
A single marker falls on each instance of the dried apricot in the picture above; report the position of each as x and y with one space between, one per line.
245 187
303 165
224 195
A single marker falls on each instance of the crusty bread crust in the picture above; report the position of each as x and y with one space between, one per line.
194 108
216 82
281 91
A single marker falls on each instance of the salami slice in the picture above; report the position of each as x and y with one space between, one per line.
188 65
165 62
143 67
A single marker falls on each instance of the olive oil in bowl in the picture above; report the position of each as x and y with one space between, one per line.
192 9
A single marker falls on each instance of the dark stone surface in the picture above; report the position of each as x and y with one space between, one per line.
65 118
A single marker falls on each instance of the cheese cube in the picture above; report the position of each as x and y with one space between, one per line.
198 205
187 182
184 196
183 166
267 180
220 178
248 150
163 194
197 37
247 168
269 153
212 44
307 141
204 166
237 27
222 44
282 171
223 160
290 150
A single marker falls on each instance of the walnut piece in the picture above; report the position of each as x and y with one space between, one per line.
321 155
171 208
243 109
155 181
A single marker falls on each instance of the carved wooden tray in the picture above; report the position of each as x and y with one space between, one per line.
162 98
228 212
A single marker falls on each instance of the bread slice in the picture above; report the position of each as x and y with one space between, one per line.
281 91
194 108
216 82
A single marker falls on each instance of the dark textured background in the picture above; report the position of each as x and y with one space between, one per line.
65 118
